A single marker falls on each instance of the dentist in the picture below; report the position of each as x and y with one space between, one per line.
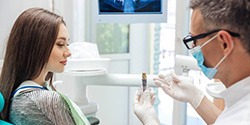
220 42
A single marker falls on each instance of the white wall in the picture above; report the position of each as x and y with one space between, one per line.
9 11
73 14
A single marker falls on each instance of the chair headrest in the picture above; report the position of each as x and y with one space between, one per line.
1 102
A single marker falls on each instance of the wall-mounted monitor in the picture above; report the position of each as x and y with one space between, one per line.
130 11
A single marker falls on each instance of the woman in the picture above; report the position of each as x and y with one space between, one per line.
37 47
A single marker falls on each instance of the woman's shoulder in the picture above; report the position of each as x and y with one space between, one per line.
38 104
38 95
39 98
44 94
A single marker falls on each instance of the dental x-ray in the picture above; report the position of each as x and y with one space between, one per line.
130 6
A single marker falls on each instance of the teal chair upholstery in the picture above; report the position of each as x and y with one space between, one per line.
1 108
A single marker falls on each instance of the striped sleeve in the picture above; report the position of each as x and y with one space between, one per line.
41 108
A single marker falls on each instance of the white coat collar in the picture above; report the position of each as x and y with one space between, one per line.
235 92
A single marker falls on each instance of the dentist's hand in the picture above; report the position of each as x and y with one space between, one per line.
143 107
180 88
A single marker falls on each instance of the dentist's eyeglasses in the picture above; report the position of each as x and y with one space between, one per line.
190 41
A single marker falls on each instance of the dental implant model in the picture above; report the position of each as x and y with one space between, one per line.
144 81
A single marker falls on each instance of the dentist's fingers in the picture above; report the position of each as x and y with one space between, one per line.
152 96
167 89
159 82
136 98
152 100
176 78
146 97
162 76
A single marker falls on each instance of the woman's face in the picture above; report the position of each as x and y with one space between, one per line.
60 51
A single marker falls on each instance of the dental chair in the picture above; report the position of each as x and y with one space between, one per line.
92 120
1 108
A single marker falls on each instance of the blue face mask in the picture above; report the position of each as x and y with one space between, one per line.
197 54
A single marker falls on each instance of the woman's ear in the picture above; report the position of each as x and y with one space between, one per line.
226 42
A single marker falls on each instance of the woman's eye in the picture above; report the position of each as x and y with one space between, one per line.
59 44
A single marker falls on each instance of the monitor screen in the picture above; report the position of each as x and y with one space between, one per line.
131 11
130 6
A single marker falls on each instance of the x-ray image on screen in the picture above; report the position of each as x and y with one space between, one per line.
130 6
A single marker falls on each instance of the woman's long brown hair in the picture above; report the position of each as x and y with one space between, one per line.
28 49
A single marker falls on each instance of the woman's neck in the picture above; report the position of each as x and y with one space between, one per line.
41 78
